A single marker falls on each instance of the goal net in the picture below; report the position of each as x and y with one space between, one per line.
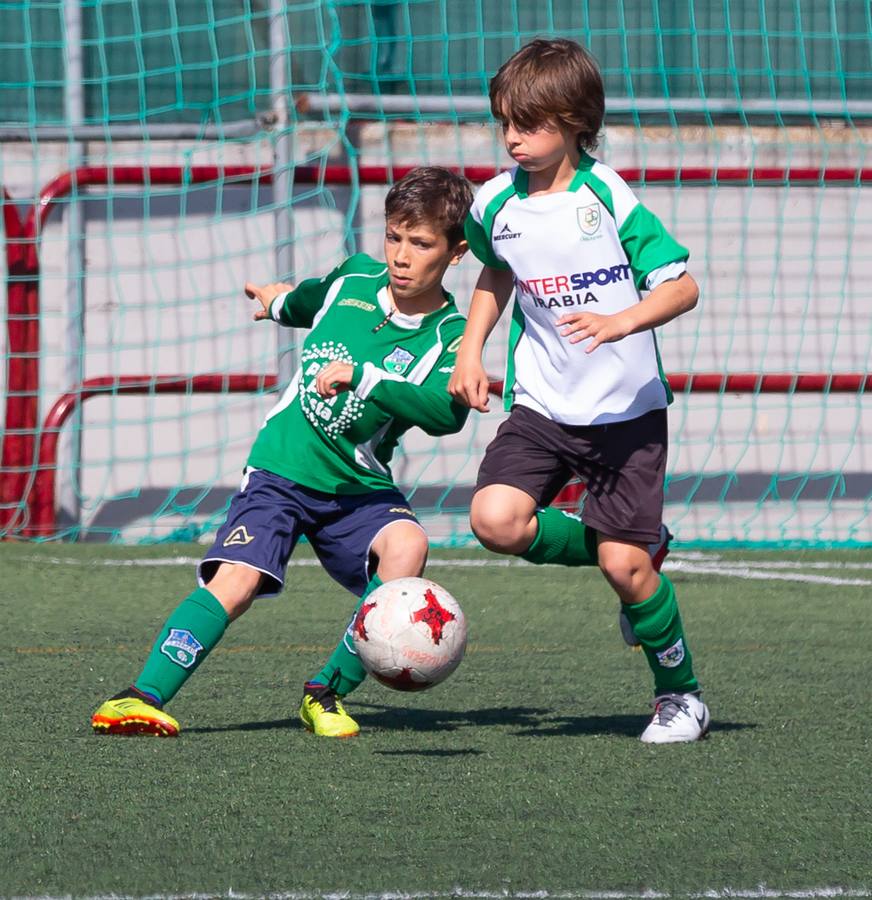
155 156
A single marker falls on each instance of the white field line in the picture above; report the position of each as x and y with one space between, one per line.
761 893
751 574
694 564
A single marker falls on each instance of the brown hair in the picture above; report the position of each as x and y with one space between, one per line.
551 80
434 196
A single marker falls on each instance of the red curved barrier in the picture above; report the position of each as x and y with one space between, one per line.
41 521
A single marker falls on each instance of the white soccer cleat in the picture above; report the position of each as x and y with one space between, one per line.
659 550
678 718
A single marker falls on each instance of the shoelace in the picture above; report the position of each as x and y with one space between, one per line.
326 695
667 707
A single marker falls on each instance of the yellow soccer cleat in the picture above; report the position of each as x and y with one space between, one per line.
129 713
322 713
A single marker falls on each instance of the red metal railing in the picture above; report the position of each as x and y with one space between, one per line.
19 449
753 383
42 521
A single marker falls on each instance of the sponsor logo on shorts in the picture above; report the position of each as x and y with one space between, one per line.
181 647
672 656
401 509
239 537
357 304
398 360
446 370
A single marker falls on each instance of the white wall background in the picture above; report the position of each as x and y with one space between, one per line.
786 278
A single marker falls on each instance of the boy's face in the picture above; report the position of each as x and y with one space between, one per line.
539 148
417 257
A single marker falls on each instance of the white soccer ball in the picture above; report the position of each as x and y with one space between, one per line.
410 634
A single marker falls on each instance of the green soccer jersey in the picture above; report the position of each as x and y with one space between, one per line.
344 444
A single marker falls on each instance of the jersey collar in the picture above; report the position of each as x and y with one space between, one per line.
521 180
412 322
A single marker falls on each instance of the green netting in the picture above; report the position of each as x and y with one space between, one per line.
189 60
126 279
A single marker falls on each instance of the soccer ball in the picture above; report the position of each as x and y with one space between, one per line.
410 634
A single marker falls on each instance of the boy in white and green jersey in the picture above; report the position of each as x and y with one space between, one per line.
382 342
584 382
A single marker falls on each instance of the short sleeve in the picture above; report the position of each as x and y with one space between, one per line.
479 243
648 244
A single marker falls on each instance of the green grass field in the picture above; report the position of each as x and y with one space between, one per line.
522 773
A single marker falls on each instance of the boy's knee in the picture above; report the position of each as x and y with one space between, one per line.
412 549
401 550
498 530
627 567
234 587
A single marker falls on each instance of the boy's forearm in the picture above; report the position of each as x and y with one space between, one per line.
484 313
489 299
666 302
430 408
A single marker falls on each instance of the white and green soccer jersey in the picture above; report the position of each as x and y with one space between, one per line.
344 444
590 248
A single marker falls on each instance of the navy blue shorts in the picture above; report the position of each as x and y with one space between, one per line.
269 514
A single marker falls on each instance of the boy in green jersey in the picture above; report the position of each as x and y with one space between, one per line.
584 382
381 345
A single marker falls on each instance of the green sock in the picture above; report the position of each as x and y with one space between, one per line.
562 539
344 671
192 630
657 623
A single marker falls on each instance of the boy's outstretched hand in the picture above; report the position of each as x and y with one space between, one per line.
265 294
469 385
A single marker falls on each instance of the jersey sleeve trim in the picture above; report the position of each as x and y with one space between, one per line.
480 244
612 190
516 331
275 308
369 377
648 245
670 272
305 305
478 228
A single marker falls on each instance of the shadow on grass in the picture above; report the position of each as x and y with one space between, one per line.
630 726
469 752
247 726
527 722
391 718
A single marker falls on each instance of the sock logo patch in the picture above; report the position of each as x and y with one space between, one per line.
672 656
238 537
181 647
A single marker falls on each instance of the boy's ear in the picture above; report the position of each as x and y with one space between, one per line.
457 253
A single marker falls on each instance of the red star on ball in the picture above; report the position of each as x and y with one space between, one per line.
359 624
434 615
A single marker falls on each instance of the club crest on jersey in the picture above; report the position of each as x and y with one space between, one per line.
397 361
672 656
181 647
589 218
